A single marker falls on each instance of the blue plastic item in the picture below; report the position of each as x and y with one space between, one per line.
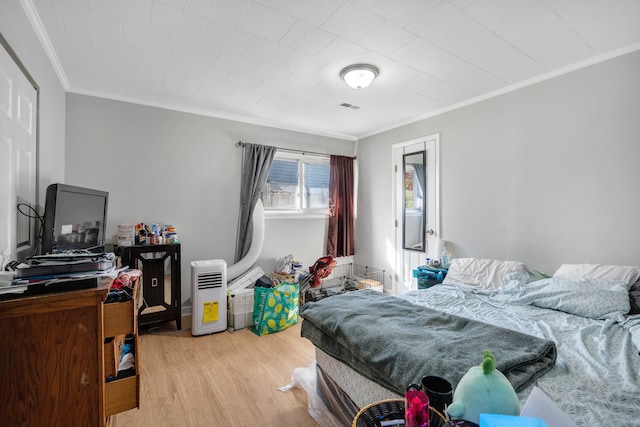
429 276
496 420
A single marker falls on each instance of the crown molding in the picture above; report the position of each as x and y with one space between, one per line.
36 23
214 114
510 88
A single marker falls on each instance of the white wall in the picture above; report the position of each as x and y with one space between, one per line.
183 169
17 30
547 174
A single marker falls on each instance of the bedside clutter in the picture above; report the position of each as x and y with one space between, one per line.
428 276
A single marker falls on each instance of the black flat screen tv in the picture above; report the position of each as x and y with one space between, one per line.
75 219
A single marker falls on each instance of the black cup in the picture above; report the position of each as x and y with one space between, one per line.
439 391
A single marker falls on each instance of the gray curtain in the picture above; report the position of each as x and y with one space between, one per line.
256 162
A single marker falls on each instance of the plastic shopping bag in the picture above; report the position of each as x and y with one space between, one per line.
275 309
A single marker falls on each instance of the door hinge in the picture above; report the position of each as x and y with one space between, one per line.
396 223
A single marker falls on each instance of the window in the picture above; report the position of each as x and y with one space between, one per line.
297 182
413 198
409 189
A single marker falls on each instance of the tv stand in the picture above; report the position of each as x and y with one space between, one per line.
160 281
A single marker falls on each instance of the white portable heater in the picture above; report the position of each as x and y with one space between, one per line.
209 295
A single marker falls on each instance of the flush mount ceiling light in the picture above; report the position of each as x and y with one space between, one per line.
359 76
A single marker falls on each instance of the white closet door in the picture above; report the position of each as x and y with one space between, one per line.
18 141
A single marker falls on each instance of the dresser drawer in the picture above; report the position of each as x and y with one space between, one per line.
121 395
120 328
112 353
120 318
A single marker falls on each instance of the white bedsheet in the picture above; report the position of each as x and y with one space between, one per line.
596 380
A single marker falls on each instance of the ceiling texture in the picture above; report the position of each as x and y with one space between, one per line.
278 62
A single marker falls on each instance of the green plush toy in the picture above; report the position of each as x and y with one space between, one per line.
483 390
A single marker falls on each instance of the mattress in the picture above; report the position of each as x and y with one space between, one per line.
358 388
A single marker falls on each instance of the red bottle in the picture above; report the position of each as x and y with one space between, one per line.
416 412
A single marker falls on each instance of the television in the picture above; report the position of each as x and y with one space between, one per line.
75 219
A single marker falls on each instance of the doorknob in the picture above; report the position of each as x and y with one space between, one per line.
430 232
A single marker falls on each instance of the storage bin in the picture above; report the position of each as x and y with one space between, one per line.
240 309
429 276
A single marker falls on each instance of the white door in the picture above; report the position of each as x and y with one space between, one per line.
408 260
18 141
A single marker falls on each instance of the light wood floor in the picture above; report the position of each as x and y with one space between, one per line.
222 379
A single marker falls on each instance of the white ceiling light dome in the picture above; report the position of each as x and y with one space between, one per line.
359 76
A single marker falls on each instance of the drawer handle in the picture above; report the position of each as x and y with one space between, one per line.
154 282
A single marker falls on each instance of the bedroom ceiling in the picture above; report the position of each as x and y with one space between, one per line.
277 62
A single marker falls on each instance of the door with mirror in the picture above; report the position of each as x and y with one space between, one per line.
416 218
413 201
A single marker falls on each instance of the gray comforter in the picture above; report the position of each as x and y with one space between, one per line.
394 342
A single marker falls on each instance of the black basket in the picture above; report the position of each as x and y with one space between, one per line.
370 415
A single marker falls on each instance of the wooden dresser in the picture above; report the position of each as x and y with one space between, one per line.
56 352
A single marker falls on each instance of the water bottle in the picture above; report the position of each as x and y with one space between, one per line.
445 258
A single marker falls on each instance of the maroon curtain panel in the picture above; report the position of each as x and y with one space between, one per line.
340 236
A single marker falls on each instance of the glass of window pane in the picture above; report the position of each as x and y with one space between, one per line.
281 189
316 185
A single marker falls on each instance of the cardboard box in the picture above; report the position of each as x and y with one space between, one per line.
126 234
278 278
370 284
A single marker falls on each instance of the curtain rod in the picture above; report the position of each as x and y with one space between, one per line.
303 152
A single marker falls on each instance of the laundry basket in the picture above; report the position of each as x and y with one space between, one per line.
370 415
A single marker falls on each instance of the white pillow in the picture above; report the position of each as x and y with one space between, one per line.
627 274
485 274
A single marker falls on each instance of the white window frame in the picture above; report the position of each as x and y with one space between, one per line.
301 158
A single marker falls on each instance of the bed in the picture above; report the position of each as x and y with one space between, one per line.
580 328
